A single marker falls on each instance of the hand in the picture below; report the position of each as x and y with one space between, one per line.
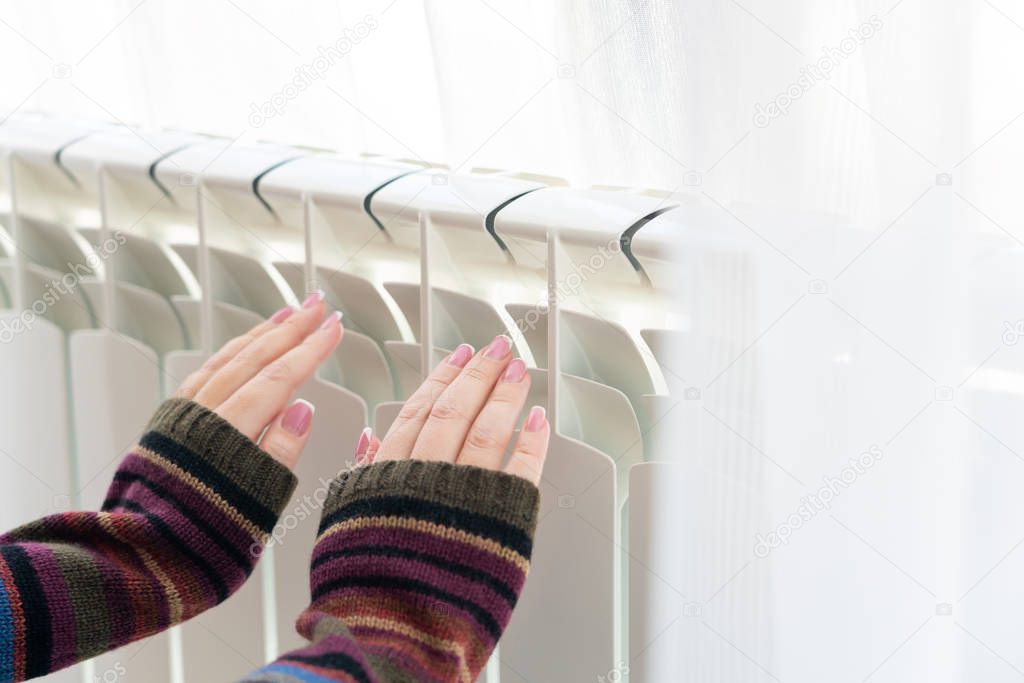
466 413
250 379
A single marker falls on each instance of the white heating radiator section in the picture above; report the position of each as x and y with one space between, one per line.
165 245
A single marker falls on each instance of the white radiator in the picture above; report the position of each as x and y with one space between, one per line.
129 255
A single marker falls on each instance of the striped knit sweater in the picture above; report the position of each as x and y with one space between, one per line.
414 575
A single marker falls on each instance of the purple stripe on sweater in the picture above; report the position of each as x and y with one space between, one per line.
185 528
58 602
182 572
198 504
366 565
428 543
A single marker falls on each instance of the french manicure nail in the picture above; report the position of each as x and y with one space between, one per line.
298 417
499 347
515 371
282 315
461 356
332 319
363 444
313 299
535 420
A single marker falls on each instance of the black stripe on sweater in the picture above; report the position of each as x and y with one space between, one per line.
38 639
407 506
244 562
187 460
471 573
339 661
482 616
183 549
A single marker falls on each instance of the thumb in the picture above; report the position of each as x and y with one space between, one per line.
288 433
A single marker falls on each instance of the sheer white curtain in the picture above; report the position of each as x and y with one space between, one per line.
868 151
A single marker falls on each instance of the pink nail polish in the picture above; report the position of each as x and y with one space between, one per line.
282 315
535 420
461 356
515 371
332 319
298 417
499 348
313 299
363 444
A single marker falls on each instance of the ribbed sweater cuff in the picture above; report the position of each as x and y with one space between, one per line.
228 451
504 497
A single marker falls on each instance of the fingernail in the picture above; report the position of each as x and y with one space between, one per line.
515 371
363 444
332 319
499 347
282 315
298 417
461 356
535 420
313 299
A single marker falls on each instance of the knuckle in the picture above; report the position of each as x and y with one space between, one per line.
505 398
521 452
483 439
476 373
445 410
278 371
412 411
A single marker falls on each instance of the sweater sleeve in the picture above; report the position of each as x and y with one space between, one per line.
183 523
415 573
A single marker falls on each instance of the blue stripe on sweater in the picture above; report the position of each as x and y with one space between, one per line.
6 636
293 671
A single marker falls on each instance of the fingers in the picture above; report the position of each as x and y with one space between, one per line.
491 432
401 437
466 413
455 409
287 435
194 382
246 362
366 447
362 446
531 449
261 398
371 452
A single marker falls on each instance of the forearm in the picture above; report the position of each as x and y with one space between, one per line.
414 576
180 530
